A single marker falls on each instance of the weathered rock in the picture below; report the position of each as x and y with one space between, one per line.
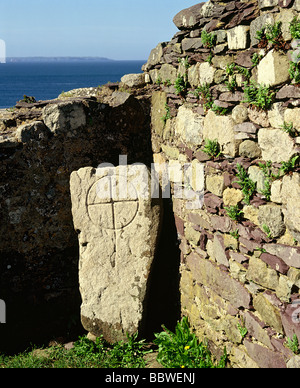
276 115
213 277
134 80
275 263
290 194
158 110
290 255
250 149
33 131
264 357
288 91
207 73
284 289
273 69
267 3
126 105
232 197
238 38
269 308
240 114
194 75
285 17
276 145
291 319
155 56
215 184
168 73
259 273
188 17
293 116
65 117
231 97
219 253
271 216
259 117
294 362
256 329
117 225
191 44
221 128
189 126
257 176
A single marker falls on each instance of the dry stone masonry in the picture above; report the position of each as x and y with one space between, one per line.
227 89
222 98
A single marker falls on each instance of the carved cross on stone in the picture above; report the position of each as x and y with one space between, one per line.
118 225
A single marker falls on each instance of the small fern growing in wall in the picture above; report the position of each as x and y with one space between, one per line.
259 96
212 148
247 185
181 85
295 28
208 39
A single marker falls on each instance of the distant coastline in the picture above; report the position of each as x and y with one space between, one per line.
56 59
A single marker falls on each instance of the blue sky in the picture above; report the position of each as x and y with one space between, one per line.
117 29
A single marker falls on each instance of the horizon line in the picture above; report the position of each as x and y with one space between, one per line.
71 56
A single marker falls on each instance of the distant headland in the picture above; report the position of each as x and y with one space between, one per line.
56 59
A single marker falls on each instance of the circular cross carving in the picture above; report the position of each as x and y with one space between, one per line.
112 202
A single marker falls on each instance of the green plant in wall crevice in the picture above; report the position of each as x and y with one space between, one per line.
295 28
259 96
167 115
234 213
204 94
288 127
293 344
270 177
212 148
271 36
181 85
247 185
208 39
294 72
289 166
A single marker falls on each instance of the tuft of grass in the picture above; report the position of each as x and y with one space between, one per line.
267 230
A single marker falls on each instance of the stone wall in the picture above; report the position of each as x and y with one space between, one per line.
240 253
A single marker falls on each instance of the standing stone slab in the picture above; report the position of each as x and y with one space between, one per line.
118 225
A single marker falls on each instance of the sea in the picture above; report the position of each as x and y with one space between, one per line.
46 80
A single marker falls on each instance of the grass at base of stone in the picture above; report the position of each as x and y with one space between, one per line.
84 354
180 349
